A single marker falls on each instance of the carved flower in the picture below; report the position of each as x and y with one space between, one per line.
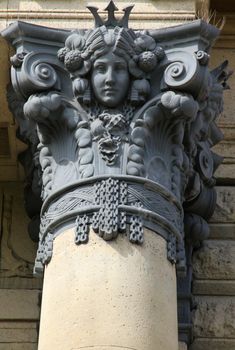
73 60
147 61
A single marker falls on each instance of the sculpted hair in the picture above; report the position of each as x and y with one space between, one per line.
138 49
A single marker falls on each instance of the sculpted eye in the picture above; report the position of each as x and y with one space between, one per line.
100 68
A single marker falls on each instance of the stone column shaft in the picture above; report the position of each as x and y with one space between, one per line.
109 295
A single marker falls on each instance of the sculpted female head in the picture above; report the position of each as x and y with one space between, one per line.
110 79
113 64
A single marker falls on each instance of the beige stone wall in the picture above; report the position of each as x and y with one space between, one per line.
226 148
20 292
214 279
73 13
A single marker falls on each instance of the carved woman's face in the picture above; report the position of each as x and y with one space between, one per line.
110 79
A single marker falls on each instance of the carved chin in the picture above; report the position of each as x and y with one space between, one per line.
110 103
110 98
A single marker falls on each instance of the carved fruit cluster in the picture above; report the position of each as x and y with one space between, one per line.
73 60
148 60
82 48
148 53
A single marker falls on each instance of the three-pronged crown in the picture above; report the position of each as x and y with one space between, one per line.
112 21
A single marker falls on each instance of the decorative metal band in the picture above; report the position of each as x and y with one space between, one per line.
111 205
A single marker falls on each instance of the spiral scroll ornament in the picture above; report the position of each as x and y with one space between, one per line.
176 70
37 73
44 73
206 164
184 71
202 57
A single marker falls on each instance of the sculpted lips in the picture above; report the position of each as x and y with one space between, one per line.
110 91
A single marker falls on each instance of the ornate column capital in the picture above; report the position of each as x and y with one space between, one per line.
120 126
124 122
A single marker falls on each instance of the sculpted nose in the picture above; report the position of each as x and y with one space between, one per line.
110 76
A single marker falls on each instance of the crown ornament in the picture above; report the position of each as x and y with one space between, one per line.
112 21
